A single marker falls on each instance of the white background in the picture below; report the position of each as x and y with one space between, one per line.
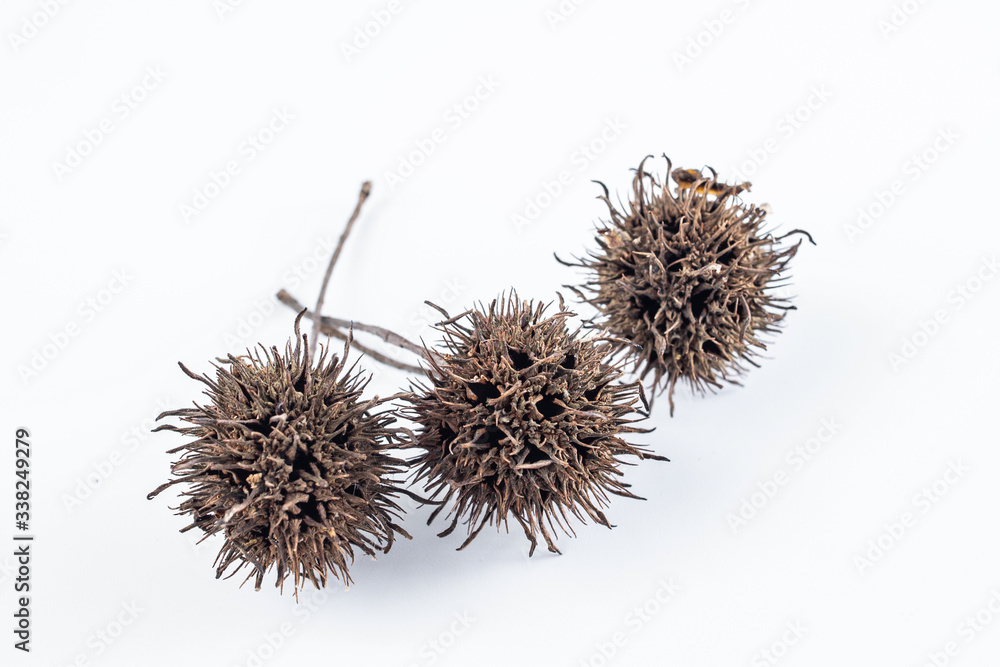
815 103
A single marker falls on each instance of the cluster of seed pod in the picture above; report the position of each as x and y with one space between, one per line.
518 415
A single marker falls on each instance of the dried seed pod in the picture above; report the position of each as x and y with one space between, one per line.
289 462
685 279
523 418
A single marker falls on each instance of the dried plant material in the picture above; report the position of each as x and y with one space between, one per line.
522 418
289 462
685 279
366 190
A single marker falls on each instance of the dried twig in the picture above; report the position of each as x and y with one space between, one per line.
366 189
338 324
364 349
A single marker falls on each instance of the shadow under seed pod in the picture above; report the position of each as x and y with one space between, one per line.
522 418
684 279
288 461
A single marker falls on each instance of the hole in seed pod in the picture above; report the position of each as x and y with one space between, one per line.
535 455
583 452
491 436
547 406
711 347
569 363
483 391
592 394
649 307
345 437
300 384
726 258
241 476
519 359
259 533
309 508
354 490
303 460
258 427
699 300
447 435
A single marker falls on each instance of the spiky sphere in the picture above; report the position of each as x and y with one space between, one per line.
288 461
685 278
522 419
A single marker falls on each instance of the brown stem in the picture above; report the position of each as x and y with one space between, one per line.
366 189
377 356
340 325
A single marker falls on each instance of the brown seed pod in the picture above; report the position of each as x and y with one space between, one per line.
523 418
685 279
289 462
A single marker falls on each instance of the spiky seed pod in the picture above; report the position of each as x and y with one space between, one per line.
288 460
686 279
523 418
